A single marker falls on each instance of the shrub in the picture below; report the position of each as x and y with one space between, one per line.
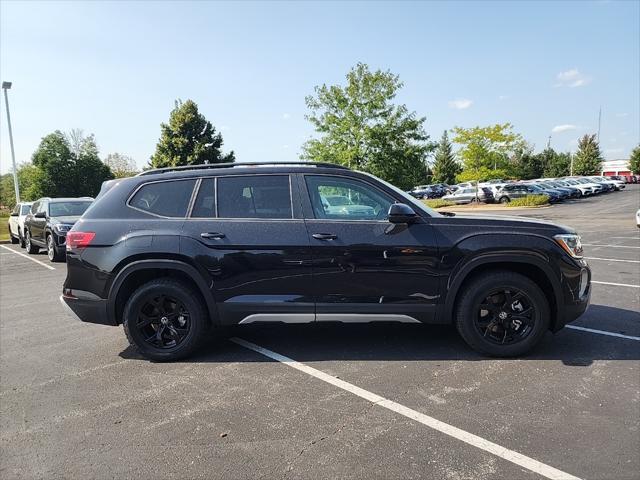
438 203
529 201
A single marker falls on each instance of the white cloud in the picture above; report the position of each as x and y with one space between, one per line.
224 128
572 78
622 114
503 97
286 116
563 128
460 103
285 147
612 152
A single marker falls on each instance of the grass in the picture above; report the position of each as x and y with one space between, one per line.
438 203
529 201
4 229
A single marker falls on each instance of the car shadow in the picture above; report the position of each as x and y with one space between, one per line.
404 342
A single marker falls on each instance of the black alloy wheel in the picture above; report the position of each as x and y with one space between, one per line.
163 321
505 316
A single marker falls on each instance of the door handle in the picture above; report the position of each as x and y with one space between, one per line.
324 236
212 235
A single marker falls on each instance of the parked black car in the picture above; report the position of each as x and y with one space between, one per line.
48 222
171 253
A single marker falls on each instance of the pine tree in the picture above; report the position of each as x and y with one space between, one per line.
188 139
445 166
588 157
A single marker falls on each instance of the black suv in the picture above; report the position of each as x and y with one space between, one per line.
171 253
48 222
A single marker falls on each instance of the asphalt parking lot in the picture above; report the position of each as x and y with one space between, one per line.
361 401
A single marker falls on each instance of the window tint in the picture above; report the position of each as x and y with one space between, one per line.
168 199
346 199
25 209
260 196
205 204
34 207
62 209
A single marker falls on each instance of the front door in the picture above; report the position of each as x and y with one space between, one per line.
365 268
248 236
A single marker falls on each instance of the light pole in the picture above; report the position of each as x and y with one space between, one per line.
6 86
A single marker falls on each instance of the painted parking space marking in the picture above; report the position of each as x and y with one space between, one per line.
457 433
616 284
612 260
603 332
28 257
608 246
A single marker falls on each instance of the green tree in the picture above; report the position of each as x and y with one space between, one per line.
557 165
188 139
61 172
445 166
588 158
481 174
524 164
634 160
121 165
360 127
488 147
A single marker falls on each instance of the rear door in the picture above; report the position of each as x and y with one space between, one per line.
247 236
365 268
38 224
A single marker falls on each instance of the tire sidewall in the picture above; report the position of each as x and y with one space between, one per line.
478 290
197 315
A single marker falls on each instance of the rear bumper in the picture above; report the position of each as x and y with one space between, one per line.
87 309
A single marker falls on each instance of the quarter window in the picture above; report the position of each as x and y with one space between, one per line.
346 199
259 196
167 199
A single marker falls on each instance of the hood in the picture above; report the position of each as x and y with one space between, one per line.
66 220
487 223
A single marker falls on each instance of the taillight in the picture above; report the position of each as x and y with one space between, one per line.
79 239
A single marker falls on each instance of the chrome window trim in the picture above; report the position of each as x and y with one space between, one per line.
194 194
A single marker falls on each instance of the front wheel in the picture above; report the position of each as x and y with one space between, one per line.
505 199
28 244
14 240
502 314
165 320
53 252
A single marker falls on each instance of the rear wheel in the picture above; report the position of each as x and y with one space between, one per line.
165 321
502 314
14 240
505 199
53 252
31 248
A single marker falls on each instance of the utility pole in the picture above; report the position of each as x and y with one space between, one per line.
599 120
6 86
549 142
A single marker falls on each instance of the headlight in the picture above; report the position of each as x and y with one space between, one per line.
61 228
570 243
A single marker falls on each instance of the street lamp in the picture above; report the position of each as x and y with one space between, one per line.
6 86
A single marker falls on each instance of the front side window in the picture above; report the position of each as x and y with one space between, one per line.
25 209
254 196
346 199
67 209
167 199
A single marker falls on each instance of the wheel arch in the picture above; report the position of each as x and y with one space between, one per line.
141 271
529 266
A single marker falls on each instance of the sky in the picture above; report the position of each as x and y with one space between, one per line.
115 69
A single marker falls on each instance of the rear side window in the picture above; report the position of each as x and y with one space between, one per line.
259 196
167 199
205 204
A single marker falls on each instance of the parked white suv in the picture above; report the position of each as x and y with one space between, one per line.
16 222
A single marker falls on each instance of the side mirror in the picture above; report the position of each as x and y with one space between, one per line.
402 213
40 215
13 214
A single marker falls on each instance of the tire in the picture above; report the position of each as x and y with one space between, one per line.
21 239
14 240
469 314
53 252
504 200
30 247
188 307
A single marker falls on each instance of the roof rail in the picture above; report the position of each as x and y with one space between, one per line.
208 166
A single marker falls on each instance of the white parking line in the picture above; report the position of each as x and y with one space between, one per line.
469 438
628 238
602 332
28 257
616 284
613 260
608 246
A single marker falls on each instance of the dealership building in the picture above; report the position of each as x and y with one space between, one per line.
616 167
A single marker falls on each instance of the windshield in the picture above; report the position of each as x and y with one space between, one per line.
408 199
535 188
71 209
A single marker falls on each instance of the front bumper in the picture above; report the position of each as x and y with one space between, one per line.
577 297
86 307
